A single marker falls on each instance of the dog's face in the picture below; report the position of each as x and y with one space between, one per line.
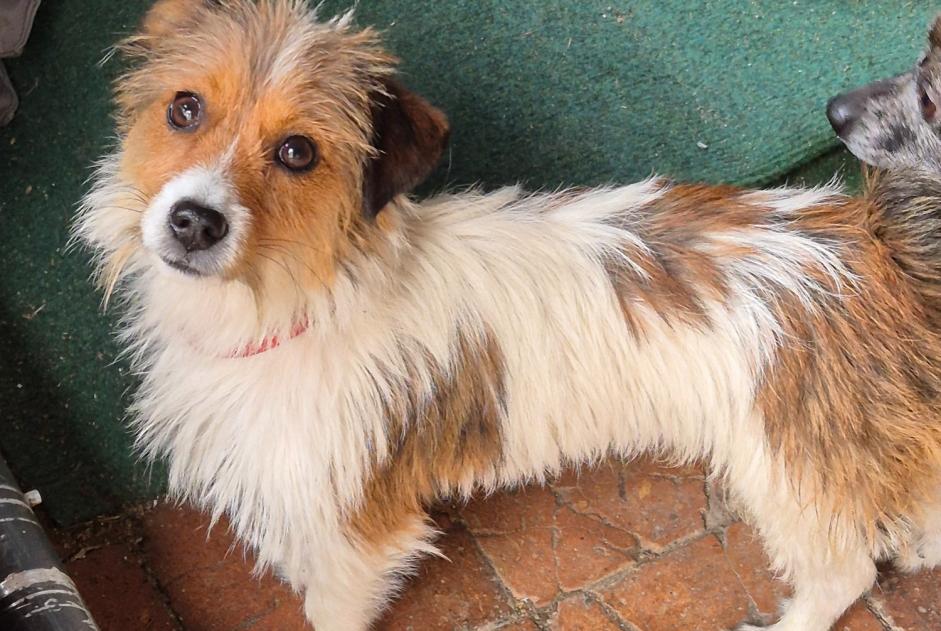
257 145
896 123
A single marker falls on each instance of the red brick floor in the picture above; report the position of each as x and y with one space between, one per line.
622 547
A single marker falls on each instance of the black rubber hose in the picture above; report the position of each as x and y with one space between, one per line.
35 592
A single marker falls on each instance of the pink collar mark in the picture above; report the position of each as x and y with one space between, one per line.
267 343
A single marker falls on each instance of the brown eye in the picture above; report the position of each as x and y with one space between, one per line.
297 153
184 112
928 108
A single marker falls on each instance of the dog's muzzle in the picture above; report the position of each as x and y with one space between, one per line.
845 109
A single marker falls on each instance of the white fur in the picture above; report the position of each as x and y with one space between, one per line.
207 186
284 441
290 53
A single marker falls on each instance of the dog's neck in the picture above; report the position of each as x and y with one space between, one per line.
907 217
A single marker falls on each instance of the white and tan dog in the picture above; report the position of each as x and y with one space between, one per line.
322 356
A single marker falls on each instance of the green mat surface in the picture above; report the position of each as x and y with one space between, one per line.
549 93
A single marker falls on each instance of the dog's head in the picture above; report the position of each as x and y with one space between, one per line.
896 123
257 145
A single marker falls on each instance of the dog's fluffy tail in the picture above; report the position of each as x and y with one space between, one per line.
908 221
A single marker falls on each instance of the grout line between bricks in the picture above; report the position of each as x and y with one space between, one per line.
593 515
81 554
519 607
646 555
540 616
877 608
251 621
755 616
554 545
137 544
611 613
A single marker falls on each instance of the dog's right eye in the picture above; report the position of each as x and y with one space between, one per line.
184 112
928 108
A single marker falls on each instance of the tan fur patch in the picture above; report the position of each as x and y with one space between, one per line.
909 224
167 15
677 277
851 401
441 442
934 36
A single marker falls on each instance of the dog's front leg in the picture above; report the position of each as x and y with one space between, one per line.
350 582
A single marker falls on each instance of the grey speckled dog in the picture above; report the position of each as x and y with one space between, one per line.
896 123
894 126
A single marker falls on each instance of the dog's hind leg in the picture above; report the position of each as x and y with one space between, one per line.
827 563
823 589
923 550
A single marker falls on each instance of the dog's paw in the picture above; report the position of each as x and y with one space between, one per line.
761 621
924 555
758 621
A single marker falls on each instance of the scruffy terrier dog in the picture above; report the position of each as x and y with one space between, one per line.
321 356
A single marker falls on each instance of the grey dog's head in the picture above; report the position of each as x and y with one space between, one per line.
896 123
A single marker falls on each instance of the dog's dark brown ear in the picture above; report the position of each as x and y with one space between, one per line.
409 136
934 35
166 16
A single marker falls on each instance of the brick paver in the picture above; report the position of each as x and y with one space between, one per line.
658 505
913 601
112 579
693 587
540 547
860 618
208 579
460 587
614 548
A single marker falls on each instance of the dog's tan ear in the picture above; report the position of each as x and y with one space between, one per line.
167 16
409 136
934 35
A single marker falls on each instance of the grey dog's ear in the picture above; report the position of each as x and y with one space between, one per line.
409 135
934 35
167 16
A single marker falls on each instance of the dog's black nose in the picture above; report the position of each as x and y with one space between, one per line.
846 109
842 112
197 227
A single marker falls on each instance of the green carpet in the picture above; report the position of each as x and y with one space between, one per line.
548 93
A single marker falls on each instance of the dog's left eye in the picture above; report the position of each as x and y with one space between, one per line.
297 153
